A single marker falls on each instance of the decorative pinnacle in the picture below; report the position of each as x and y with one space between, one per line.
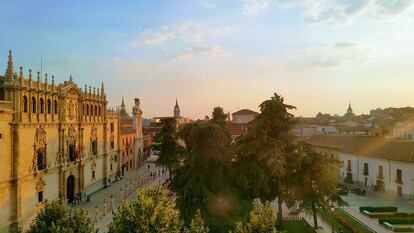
53 79
86 88
21 71
10 68
46 78
30 74
102 88
70 78
38 75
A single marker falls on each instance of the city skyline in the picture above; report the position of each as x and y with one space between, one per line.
317 54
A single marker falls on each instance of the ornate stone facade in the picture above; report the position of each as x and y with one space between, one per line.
56 142
131 138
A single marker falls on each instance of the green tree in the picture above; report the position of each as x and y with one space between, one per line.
315 181
219 117
152 211
169 147
205 180
261 154
55 217
197 224
262 219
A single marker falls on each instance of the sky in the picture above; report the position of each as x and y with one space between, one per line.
319 54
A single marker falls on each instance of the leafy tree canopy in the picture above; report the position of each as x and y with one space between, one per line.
152 211
55 217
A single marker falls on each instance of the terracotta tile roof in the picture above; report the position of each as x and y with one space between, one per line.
245 112
381 148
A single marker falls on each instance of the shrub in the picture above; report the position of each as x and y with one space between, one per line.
359 191
378 209
394 221
391 215
342 192
403 229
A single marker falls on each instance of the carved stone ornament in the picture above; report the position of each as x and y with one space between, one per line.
40 138
71 134
71 110
94 133
93 164
40 184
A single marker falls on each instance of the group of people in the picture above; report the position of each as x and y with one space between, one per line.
126 190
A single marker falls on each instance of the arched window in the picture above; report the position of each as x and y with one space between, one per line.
72 152
49 106
42 105
95 147
99 110
24 103
41 159
87 109
55 107
96 110
33 104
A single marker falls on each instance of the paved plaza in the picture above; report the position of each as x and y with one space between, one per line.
375 199
105 200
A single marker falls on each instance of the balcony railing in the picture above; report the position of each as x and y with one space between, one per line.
6 105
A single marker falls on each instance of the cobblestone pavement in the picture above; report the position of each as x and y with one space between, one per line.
102 202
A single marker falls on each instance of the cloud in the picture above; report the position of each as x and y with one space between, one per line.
253 7
334 11
323 56
215 53
344 44
208 5
188 31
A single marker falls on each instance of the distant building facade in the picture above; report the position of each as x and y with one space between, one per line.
57 140
243 116
131 138
383 165
239 122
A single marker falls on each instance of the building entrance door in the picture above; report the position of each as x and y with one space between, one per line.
70 188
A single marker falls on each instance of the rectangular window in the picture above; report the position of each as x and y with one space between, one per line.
112 127
366 169
380 172
40 196
1 136
349 165
111 167
94 147
399 176
93 174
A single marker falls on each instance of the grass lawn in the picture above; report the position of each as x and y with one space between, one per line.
295 226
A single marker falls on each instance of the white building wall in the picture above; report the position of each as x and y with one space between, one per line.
389 173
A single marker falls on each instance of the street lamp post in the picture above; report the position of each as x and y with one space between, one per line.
332 218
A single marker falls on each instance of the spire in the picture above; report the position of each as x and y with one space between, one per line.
123 103
176 109
102 88
10 68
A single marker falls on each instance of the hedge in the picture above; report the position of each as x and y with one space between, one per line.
403 229
378 209
391 215
394 221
